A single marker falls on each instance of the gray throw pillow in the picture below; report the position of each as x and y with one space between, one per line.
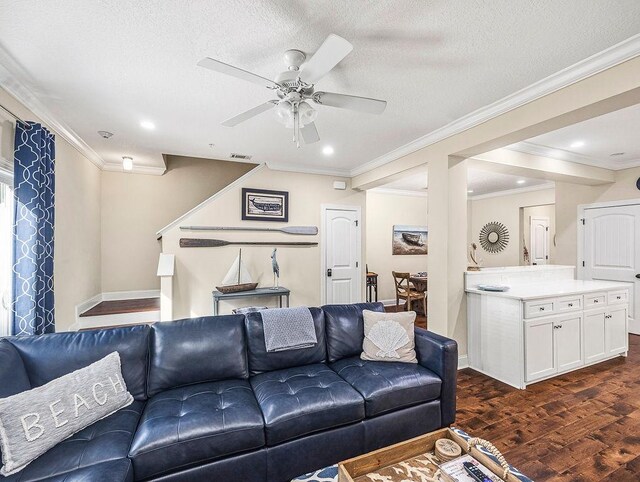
389 336
34 421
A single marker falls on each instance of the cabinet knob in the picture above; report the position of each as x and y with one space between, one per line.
542 308
595 301
570 305
618 297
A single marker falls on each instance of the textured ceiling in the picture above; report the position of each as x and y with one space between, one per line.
614 133
108 64
479 181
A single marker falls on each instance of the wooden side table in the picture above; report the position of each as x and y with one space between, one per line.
372 286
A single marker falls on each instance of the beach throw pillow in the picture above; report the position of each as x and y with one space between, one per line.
389 336
34 421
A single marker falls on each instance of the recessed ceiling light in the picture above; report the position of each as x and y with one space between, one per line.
127 163
147 125
105 134
327 150
521 181
577 144
470 191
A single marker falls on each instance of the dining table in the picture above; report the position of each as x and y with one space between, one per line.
419 282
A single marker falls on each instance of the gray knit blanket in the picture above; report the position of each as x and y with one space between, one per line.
288 329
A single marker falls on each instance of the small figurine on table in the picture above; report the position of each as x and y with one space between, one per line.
276 268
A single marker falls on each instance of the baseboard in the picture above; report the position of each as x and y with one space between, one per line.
130 295
122 319
463 362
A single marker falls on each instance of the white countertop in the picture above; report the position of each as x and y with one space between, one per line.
548 289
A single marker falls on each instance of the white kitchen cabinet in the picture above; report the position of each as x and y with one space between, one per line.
540 349
542 328
616 330
594 335
553 345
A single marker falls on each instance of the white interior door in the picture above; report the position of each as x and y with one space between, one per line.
342 278
612 251
539 240
6 236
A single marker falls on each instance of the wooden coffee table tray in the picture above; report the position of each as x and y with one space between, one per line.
352 469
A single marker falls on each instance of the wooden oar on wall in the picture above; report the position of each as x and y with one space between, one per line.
307 230
217 243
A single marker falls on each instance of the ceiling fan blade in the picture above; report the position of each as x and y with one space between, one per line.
352 102
234 121
310 133
332 51
216 65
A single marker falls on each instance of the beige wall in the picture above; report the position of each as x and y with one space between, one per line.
77 225
136 206
526 213
383 211
569 196
199 270
506 210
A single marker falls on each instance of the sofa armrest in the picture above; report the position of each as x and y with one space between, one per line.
440 355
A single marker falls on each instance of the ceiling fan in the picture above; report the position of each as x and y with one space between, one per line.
296 86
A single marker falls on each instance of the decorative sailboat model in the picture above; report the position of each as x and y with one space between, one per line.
237 279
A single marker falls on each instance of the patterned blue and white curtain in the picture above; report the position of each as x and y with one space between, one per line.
34 184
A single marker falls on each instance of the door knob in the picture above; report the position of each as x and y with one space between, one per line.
329 273
638 276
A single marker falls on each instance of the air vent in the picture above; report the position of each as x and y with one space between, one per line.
235 155
615 154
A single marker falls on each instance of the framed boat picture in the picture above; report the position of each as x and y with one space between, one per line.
409 240
265 205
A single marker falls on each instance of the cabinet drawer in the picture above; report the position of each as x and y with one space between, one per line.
568 303
616 297
595 300
533 309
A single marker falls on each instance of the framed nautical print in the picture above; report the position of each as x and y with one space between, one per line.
265 205
409 240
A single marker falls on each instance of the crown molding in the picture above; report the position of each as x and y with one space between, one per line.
399 192
510 192
137 169
599 62
308 170
564 155
13 80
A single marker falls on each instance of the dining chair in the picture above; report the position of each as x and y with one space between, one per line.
404 291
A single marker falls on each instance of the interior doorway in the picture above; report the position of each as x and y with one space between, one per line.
537 234
341 241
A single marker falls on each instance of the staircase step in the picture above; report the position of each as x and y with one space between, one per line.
118 307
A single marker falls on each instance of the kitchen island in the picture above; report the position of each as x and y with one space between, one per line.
546 324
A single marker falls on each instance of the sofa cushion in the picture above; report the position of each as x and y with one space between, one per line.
195 424
47 357
119 470
197 350
260 361
107 440
302 400
388 386
345 329
13 375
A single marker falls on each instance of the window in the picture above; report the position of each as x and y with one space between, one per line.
6 229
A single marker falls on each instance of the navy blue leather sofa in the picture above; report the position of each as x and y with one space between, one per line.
211 404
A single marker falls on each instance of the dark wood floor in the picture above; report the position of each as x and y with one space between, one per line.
582 426
123 306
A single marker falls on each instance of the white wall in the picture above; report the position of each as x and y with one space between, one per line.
77 224
383 212
136 206
506 210
199 270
